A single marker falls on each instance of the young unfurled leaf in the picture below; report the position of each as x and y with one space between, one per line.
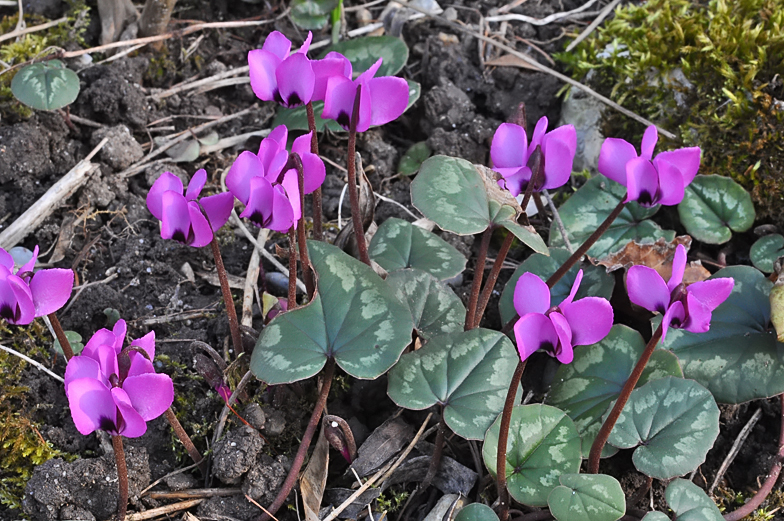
413 158
46 85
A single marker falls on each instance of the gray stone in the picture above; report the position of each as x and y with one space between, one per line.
236 453
265 478
121 150
585 113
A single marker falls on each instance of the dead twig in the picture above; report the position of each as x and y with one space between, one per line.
540 21
29 360
170 474
588 30
251 279
195 493
162 511
33 29
742 435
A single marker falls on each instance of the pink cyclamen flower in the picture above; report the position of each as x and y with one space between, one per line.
512 155
25 295
185 218
683 307
115 389
648 180
269 191
274 75
559 328
381 99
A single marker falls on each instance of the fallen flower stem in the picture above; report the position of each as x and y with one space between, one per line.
479 271
122 477
492 277
304 260
318 232
353 189
615 413
231 311
186 441
307 437
292 297
60 334
503 439
773 475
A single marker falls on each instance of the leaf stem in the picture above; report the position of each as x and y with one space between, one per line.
353 190
231 311
435 461
479 271
318 233
492 277
292 301
122 477
193 452
615 413
503 439
60 334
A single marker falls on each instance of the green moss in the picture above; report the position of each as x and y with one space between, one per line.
730 53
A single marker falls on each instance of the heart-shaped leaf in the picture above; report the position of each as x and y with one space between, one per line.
656 516
451 192
690 502
739 358
543 444
596 282
435 308
399 244
476 512
413 158
75 341
586 388
46 85
311 15
766 250
467 372
587 497
713 206
354 317
589 206
673 423
363 52
297 119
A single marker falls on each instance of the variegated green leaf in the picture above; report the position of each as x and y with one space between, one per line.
673 423
363 52
713 206
399 244
46 85
766 250
413 158
739 358
354 317
690 502
587 497
586 388
656 516
476 512
596 282
587 208
467 372
543 444
504 216
435 308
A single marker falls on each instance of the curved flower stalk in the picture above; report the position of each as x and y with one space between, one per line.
186 218
683 307
25 295
557 329
513 156
649 180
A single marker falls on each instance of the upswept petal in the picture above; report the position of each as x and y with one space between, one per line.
291 185
333 64
99 338
370 73
258 207
218 208
262 66
16 301
532 332
238 180
132 425
313 167
531 295
687 160
166 182
277 44
671 187
119 331
675 314
91 403
200 227
678 268
339 100
6 260
538 135
365 107
590 318
196 185
647 289
282 217
613 156
176 222
388 97
301 145
509 148
151 394
51 289
306 44
564 351
573 292
29 266
712 292
649 139
559 147
698 317
81 367
514 179
139 365
106 357
296 80
642 182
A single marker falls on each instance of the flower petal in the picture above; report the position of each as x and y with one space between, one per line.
559 147
698 316
306 44
687 160
200 227
671 187
16 300
51 289
339 100
531 295
291 185
99 338
642 182
218 208
262 66
370 73
514 180
563 352
91 404
296 81
6 260
277 44
198 181
509 148
590 319
613 156
131 423
28 266
678 268
81 367
649 139
245 167
532 332
539 131
388 97
647 289
151 394
573 292
333 64
176 222
712 292
282 212
259 206
674 317
165 183
147 342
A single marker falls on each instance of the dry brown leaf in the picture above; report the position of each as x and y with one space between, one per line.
314 479
495 192
510 60
657 255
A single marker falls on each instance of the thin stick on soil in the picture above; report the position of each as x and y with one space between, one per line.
31 361
318 233
58 331
479 271
193 452
301 242
615 413
353 189
292 301
492 277
122 477
299 458
503 438
773 475
231 311
744 433
164 510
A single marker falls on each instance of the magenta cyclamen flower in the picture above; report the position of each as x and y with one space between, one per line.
269 191
24 295
557 329
661 180
274 75
511 154
187 219
683 307
381 100
115 389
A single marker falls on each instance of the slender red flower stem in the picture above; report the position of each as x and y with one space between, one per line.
231 311
122 477
299 458
492 277
317 226
60 334
292 302
301 242
615 413
353 189
193 452
479 271
770 481
503 439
